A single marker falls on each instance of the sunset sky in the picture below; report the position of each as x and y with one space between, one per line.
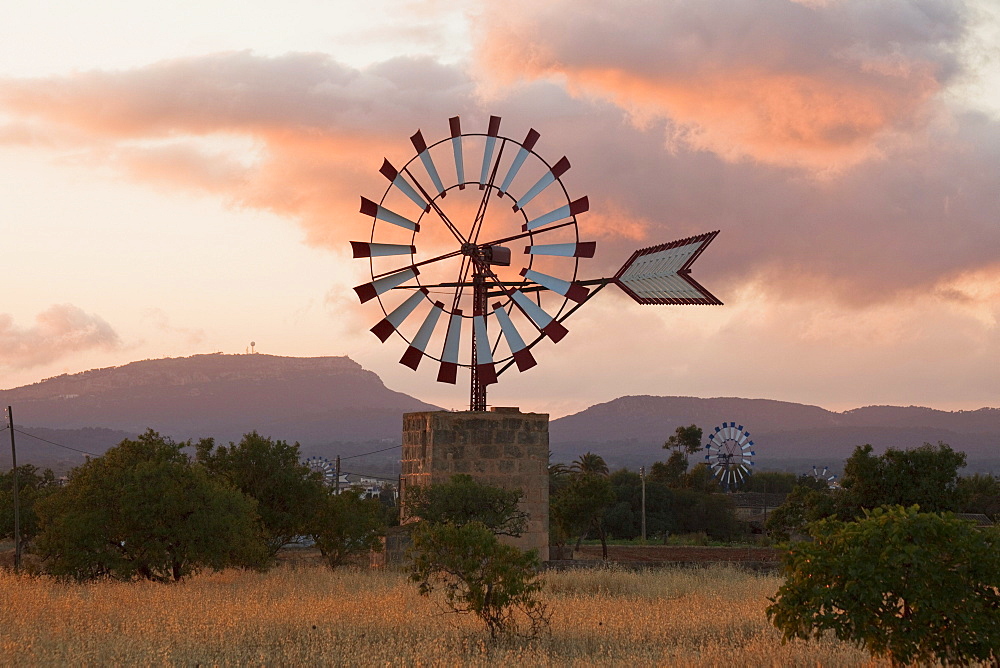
183 178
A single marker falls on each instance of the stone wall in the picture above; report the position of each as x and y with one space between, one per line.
504 447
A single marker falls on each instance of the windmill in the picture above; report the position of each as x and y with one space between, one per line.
730 454
443 246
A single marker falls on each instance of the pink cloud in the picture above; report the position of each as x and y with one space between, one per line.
59 331
880 229
813 84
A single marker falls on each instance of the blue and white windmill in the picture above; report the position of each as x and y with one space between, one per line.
729 454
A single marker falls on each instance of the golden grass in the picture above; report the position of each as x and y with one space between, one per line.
314 616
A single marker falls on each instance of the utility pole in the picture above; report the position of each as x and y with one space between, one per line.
642 475
17 506
337 487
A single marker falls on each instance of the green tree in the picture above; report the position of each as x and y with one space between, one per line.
581 505
623 519
770 482
685 439
287 492
464 499
142 511
479 575
696 511
926 476
802 506
979 493
590 464
345 525
33 485
671 472
910 586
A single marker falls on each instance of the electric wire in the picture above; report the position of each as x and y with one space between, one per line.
60 445
393 447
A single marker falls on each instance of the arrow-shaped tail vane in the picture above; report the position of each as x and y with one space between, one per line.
662 274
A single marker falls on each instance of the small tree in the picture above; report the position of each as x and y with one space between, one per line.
34 485
479 575
346 525
463 499
580 507
911 586
685 439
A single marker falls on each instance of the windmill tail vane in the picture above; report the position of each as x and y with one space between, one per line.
475 306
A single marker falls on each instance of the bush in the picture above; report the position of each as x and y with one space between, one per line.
480 575
911 586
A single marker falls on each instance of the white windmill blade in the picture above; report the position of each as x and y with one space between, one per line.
484 355
418 347
526 146
379 212
384 328
456 145
397 179
544 182
491 141
428 161
574 208
448 371
522 356
372 289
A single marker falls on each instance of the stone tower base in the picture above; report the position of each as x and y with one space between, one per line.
505 448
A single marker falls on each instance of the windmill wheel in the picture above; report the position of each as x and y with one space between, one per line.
323 466
824 476
474 252
729 454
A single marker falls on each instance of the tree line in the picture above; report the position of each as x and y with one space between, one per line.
146 509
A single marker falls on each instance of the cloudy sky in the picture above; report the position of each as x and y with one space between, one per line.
183 178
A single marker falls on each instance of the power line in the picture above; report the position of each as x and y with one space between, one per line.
60 445
369 475
363 454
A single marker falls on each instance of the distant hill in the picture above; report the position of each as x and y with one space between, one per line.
317 401
630 431
332 406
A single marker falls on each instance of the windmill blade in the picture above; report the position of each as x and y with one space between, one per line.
456 145
425 157
544 182
515 167
370 208
367 249
491 140
484 356
370 290
397 179
448 372
578 249
573 291
522 356
574 208
545 323
389 324
662 274
418 347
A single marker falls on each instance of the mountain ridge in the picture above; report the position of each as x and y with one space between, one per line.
332 405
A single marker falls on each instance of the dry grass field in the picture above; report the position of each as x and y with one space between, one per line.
307 615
